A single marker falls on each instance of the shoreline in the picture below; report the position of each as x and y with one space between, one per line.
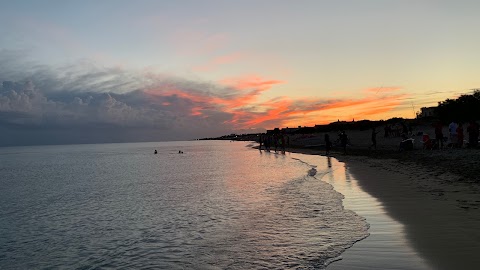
439 208
438 221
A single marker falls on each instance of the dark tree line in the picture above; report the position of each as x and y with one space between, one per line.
463 109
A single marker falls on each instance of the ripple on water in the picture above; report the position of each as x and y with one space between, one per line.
218 206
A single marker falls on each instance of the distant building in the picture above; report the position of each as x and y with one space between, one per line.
306 130
426 112
288 130
273 131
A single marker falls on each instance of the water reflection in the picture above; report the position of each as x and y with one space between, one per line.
275 218
387 246
347 174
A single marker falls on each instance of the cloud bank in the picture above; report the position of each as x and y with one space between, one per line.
103 104
87 103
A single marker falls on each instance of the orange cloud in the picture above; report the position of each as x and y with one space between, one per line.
286 112
244 111
196 111
278 110
251 82
233 103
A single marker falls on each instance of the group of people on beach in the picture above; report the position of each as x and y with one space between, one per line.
397 130
277 140
456 135
342 140
455 139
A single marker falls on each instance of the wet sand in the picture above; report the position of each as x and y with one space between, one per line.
436 222
387 246
438 211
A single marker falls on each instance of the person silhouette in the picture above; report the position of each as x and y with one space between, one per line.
438 134
344 141
328 144
374 139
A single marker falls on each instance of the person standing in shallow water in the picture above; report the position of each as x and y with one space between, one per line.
275 142
260 141
344 141
328 144
266 142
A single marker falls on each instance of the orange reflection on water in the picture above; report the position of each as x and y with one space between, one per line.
251 177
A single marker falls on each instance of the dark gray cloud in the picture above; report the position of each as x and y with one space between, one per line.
85 103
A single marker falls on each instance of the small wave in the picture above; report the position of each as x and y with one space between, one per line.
313 166
331 260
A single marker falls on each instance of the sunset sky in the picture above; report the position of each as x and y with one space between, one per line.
113 70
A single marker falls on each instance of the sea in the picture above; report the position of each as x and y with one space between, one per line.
194 205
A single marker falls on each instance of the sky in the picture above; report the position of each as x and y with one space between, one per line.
117 71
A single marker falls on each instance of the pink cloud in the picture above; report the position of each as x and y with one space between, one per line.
235 104
246 112
251 82
196 111
287 112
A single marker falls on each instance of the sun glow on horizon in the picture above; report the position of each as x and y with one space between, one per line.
241 102
211 67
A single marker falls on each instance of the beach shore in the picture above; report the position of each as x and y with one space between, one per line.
441 216
435 194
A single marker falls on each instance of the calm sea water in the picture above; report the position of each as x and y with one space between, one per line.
219 205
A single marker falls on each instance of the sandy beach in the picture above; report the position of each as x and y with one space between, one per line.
433 193
441 216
